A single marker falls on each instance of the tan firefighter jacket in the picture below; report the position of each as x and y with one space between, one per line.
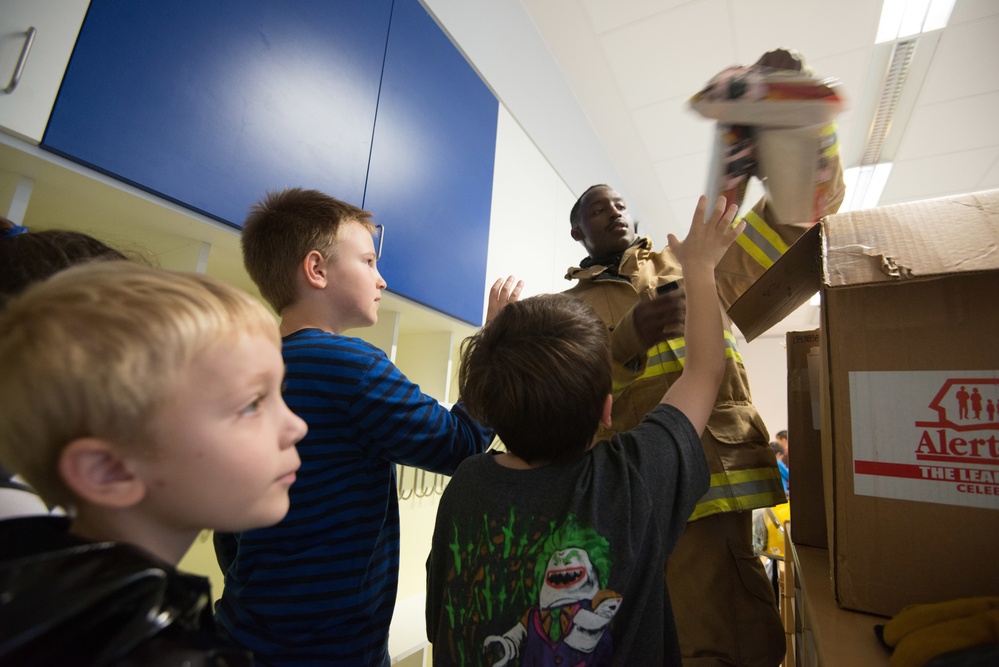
744 472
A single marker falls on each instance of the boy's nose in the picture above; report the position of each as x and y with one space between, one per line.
295 429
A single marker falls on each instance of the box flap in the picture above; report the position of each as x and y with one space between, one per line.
912 241
786 285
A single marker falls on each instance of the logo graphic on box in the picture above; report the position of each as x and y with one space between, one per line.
929 436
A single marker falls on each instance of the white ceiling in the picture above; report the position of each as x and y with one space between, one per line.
585 76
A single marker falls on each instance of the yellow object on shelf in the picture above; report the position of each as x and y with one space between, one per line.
768 531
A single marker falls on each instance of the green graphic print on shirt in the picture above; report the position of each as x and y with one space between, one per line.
529 591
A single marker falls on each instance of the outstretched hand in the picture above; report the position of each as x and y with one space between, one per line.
709 237
781 59
501 293
661 318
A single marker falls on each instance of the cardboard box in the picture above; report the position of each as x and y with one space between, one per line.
808 509
910 324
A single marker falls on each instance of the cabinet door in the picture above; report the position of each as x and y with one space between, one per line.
213 104
431 174
52 26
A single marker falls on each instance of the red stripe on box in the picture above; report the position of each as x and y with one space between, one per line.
880 469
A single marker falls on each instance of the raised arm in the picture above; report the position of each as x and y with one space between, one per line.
501 293
709 237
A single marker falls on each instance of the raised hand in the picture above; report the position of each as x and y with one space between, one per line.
709 236
501 293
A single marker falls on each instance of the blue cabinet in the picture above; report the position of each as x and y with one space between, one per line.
431 174
212 104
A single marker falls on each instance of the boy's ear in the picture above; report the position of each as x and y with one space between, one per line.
314 266
575 233
96 472
605 417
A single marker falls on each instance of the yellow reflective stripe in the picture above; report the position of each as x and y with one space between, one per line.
753 251
740 490
731 348
829 148
761 241
760 225
733 477
741 504
668 356
664 368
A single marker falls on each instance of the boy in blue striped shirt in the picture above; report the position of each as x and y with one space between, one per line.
319 587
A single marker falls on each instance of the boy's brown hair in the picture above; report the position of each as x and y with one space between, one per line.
26 258
96 350
539 374
285 227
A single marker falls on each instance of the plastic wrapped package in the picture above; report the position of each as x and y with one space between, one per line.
763 96
777 125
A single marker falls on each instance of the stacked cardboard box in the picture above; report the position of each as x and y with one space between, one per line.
909 349
804 428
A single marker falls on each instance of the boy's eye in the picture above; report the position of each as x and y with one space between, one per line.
253 406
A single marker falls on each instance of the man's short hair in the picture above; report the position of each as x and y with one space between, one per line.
539 374
95 351
286 226
781 435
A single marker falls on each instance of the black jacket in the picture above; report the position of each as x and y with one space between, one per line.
66 601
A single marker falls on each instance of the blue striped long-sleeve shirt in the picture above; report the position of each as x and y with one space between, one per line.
319 587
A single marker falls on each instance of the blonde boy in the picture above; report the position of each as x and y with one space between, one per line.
149 404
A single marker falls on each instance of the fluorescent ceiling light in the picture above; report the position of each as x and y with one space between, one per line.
903 18
891 18
864 186
938 15
912 18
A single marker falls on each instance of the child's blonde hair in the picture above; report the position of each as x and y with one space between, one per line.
97 349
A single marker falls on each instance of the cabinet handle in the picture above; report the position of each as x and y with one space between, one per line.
14 80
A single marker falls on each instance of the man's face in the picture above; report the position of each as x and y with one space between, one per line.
605 226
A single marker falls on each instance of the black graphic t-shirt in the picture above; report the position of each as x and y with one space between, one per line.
564 564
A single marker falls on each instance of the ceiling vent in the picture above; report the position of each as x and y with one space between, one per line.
891 90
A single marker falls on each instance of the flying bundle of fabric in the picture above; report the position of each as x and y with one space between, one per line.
775 122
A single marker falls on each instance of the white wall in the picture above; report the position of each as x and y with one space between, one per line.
766 365
527 196
529 225
526 239
501 41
